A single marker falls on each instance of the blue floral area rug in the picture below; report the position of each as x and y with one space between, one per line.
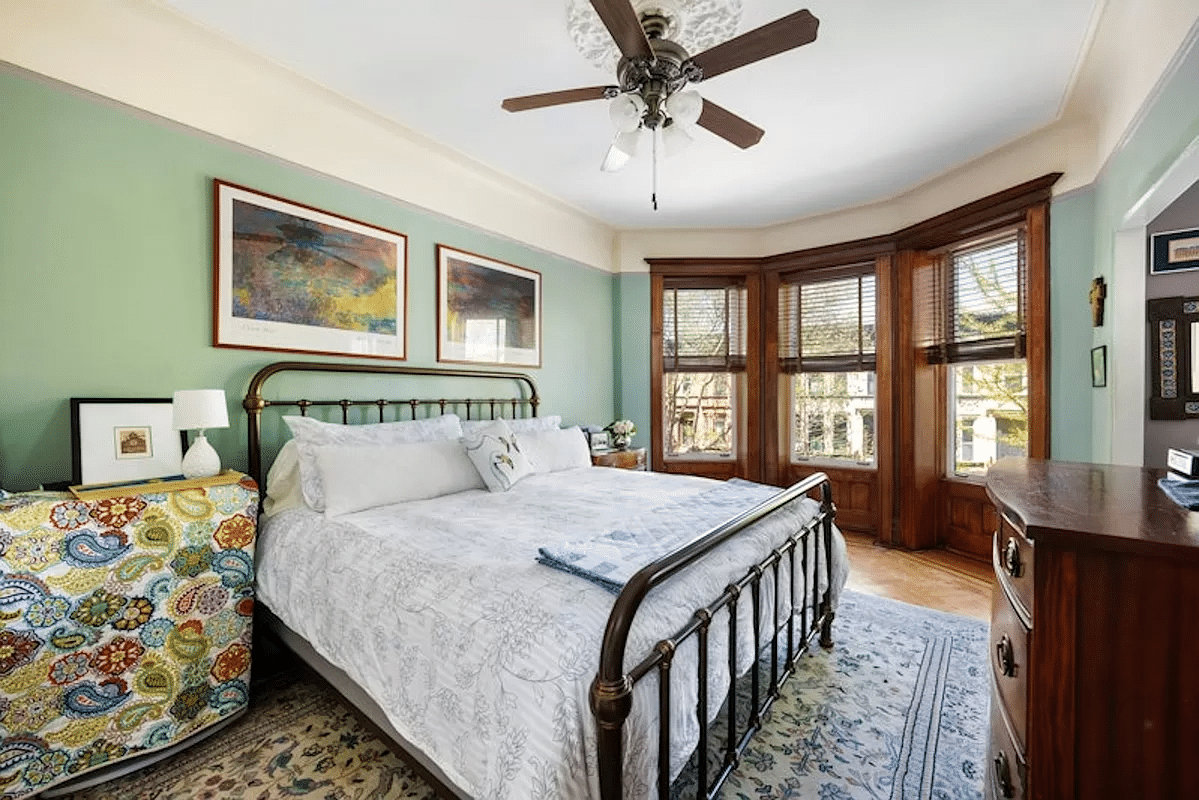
898 708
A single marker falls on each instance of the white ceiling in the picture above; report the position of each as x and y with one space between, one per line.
890 95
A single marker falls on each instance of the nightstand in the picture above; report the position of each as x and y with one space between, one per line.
127 625
630 458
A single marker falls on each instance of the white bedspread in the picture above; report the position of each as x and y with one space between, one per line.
483 657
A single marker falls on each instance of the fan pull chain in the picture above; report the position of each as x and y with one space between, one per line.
654 159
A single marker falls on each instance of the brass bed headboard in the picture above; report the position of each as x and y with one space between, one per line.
254 403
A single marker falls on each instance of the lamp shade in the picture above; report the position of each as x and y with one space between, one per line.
200 408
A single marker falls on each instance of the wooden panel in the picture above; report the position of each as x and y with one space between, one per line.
1141 697
1037 342
884 399
855 492
1051 690
964 519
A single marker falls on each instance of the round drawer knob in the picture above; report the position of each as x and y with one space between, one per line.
1003 775
1011 559
1006 656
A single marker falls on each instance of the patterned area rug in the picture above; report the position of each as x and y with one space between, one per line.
897 709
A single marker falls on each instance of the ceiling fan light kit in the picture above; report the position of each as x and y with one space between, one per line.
654 69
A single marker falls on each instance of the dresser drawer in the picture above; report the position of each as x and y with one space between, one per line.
1007 769
1009 662
1013 557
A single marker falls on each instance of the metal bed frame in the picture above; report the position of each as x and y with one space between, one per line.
611 695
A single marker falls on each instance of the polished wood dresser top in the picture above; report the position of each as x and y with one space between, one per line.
1093 505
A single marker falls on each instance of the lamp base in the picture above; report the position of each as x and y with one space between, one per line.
200 460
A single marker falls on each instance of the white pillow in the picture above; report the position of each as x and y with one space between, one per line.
283 481
519 425
496 454
363 476
312 433
551 451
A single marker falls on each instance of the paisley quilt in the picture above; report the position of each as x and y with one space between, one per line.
124 626
482 657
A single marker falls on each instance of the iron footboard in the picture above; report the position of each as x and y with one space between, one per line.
612 689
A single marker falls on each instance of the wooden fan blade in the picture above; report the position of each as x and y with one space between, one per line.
771 39
555 98
727 125
622 22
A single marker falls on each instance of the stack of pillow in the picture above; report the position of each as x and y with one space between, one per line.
337 469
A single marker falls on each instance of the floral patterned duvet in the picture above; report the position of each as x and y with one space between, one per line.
479 655
124 626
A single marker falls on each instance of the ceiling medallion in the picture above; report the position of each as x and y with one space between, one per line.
696 25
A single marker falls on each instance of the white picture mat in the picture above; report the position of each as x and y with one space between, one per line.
234 331
98 458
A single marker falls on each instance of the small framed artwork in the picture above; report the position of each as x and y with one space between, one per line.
123 439
488 312
1099 366
1174 251
599 441
292 277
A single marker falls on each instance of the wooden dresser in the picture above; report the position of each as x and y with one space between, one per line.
1094 635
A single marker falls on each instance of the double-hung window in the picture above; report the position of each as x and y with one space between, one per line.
980 333
703 357
827 358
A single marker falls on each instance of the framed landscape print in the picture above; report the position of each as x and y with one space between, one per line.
292 277
124 439
488 312
1174 251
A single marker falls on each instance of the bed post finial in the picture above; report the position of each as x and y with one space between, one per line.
611 702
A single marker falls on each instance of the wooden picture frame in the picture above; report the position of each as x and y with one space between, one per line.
1174 357
1174 251
488 311
124 439
291 277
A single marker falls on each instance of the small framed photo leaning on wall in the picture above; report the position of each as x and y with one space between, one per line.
1174 251
488 312
292 277
124 439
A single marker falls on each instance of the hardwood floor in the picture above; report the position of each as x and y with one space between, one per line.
937 579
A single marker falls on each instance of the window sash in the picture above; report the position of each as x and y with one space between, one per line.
977 302
827 320
703 327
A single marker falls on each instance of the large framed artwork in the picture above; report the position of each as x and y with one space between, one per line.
488 312
292 277
124 439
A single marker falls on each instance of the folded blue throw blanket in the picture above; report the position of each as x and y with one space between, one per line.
1183 492
611 558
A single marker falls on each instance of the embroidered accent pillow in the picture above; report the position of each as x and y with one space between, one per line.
312 433
496 454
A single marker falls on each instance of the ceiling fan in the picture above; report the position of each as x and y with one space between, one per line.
654 70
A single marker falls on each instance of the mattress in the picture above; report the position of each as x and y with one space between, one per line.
481 657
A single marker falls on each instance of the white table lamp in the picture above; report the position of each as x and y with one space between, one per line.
197 409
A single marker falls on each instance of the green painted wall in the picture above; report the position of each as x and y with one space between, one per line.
1071 259
1169 124
106 267
632 342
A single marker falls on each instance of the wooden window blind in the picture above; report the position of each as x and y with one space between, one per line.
976 303
703 325
827 320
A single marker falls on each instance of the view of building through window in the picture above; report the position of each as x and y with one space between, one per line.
988 406
699 413
834 415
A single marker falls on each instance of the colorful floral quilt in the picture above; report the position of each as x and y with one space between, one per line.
124 625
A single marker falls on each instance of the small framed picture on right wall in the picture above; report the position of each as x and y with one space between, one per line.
1174 251
1099 365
